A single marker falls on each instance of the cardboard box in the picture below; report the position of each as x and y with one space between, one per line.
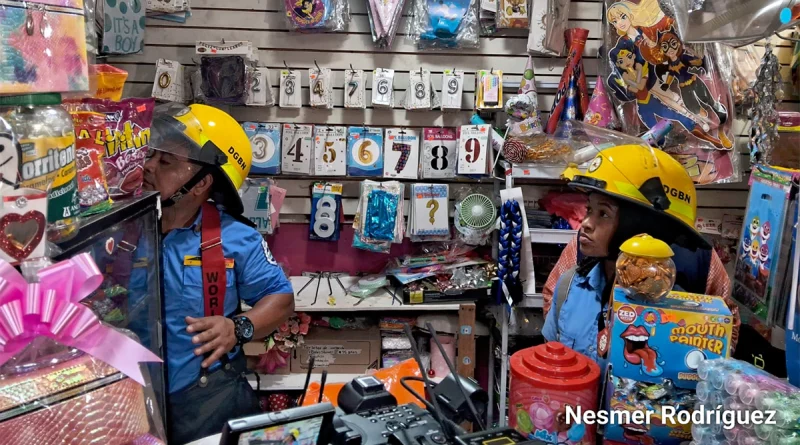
339 351
621 396
668 340
252 350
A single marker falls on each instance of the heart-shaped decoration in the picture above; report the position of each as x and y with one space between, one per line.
20 234
110 246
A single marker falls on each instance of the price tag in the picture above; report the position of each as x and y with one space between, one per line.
473 147
401 153
297 146
439 148
330 151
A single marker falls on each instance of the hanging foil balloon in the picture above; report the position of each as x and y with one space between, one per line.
576 42
601 112
763 115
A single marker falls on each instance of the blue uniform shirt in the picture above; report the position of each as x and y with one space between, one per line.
577 321
255 274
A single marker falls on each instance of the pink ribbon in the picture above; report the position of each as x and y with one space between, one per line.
52 308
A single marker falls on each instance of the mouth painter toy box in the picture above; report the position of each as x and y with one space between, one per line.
625 395
651 342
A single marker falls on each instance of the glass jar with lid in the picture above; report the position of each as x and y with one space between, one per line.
46 140
645 268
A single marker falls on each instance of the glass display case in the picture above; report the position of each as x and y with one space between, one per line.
125 244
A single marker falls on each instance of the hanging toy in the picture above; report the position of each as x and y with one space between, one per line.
763 115
508 262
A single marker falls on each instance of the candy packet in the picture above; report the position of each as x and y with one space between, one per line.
89 152
126 140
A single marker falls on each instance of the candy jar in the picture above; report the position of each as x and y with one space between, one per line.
645 268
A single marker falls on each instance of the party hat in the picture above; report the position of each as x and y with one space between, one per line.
570 110
528 87
576 42
600 111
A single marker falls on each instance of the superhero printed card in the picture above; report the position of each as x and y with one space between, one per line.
651 342
652 75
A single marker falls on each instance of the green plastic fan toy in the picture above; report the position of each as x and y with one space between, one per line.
477 212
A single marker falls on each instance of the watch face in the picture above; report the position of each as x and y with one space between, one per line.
244 329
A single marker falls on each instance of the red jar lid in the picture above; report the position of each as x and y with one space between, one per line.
553 365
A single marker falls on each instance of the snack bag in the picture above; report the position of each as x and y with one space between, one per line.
89 151
651 75
127 135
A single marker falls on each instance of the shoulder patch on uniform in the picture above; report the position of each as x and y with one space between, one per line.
267 253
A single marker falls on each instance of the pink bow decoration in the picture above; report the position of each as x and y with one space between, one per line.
52 308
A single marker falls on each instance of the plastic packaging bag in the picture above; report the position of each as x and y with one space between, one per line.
390 377
445 25
126 138
651 75
384 17
379 219
89 153
736 22
317 15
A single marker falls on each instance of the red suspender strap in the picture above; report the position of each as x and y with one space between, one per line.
213 262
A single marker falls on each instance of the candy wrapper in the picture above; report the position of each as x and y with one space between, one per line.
63 369
652 75
126 138
89 152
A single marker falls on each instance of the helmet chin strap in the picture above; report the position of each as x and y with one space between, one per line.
185 188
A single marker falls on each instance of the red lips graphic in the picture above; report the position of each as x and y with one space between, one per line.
637 351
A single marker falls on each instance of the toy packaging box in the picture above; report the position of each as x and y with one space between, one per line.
265 140
762 260
667 340
630 395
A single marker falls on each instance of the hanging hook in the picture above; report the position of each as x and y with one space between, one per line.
351 67
223 41
491 71
317 65
420 71
287 66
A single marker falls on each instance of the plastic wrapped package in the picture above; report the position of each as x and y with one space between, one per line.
652 75
384 17
126 138
89 153
736 22
445 25
317 15
57 382
745 62
379 219
44 48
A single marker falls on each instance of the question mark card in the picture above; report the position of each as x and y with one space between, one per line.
383 88
330 151
297 147
473 147
429 216
365 151
354 89
439 147
452 90
265 140
401 153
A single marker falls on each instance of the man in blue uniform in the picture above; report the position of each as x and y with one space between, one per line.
212 260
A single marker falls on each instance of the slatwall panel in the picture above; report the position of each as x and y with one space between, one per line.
263 23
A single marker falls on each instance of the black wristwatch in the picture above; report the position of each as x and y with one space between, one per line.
243 328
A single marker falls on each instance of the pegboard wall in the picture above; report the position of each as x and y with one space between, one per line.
263 22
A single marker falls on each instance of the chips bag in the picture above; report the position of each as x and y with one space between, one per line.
89 151
651 75
126 138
